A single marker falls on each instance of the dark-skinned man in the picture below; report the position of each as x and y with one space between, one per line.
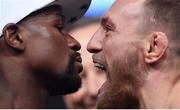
38 58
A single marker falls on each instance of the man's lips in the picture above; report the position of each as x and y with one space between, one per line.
99 62
78 64
79 59
99 65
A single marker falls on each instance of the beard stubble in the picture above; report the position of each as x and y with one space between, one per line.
126 76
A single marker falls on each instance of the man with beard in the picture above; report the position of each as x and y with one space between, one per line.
137 45
38 58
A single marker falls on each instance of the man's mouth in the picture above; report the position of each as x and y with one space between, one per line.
99 62
79 59
78 64
99 66
78 67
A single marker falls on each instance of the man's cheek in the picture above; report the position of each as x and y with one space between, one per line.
113 52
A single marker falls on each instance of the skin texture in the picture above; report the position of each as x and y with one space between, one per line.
92 78
136 58
38 58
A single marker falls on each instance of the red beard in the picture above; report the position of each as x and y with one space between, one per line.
124 80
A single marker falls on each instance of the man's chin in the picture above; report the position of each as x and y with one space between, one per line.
63 85
117 99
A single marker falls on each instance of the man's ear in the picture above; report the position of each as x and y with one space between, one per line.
12 36
156 47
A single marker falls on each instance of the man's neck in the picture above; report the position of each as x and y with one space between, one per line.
160 90
19 88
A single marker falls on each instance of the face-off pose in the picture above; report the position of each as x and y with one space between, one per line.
92 78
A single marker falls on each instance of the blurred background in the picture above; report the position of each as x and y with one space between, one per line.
98 8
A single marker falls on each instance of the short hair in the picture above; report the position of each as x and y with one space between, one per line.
167 13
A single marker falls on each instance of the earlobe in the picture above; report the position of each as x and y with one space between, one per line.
13 37
158 43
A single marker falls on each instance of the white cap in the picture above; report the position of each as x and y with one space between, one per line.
12 11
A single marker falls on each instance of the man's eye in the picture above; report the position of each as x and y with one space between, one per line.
60 27
108 28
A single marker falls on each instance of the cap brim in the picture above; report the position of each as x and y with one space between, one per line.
72 10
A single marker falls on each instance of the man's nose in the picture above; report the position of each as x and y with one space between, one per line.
73 43
95 43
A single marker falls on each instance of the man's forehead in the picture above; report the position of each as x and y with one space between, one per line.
126 8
